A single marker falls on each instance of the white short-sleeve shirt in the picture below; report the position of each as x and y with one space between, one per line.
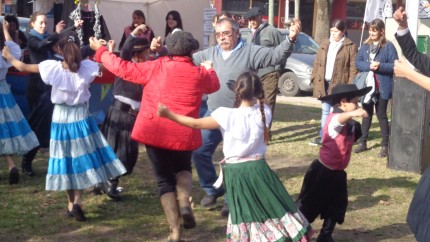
68 87
242 130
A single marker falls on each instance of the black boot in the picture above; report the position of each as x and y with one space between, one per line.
362 146
101 188
326 231
112 190
27 168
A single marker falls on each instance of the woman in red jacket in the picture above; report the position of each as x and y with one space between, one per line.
175 81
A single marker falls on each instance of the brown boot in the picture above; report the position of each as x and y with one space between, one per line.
184 183
170 207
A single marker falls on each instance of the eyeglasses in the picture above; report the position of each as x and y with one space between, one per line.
223 33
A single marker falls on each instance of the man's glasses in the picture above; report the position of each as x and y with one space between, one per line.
223 33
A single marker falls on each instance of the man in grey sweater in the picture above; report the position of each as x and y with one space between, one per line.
230 58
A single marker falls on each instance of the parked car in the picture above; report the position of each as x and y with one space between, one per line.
296 75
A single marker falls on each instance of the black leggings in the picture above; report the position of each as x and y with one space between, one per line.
380 105
166 164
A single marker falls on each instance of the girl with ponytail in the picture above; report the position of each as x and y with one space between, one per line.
80 157
260 206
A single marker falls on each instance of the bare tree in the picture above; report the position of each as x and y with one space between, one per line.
322 29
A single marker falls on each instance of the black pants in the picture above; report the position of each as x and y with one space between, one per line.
324 192
380 105
166 164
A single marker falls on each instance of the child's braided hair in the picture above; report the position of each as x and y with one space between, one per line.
248 86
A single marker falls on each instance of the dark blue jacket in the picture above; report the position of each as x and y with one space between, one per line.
386 56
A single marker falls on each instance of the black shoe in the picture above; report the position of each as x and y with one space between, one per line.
188 217
77 213
100 188
362 146
209 200
69 213
224 210
27 168
28 173
315 142
112 191
383 152
14 176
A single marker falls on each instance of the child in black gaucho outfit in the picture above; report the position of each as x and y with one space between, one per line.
324 190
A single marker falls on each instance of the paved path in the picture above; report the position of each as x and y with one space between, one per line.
299 100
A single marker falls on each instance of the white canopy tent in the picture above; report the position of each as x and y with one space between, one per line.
118 14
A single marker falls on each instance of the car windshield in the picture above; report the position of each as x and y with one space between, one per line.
305 45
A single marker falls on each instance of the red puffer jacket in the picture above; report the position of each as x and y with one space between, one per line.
175 82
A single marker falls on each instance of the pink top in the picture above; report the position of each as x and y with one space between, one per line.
147 34
337 143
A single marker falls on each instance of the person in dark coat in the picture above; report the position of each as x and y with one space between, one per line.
419 210
17 35
266 35
377 55
121 115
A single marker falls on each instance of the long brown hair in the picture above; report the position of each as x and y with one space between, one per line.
138 13
377 25
69 45
248 86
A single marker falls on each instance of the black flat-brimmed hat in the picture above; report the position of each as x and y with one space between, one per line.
181 43
348 91
139 44
254 12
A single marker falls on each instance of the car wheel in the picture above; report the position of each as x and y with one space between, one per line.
288 85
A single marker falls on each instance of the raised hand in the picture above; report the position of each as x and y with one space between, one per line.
295 28
140 29
401 18
155 44
111 45
79 23
60 26
95 43
402 68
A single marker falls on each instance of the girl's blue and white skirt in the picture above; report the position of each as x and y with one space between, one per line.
16 136
80 156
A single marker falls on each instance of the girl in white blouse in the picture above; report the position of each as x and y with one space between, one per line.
16 136
80 157
259 205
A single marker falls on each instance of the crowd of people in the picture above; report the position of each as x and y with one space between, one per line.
181 103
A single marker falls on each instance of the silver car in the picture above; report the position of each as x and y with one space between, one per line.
296 76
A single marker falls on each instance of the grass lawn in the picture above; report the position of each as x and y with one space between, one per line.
378 197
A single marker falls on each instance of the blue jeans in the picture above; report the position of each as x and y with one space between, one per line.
202 158
324 114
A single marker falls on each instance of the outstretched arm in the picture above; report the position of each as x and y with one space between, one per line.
402 69
346 116
34 68
201 123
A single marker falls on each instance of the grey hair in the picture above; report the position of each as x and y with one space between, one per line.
233 23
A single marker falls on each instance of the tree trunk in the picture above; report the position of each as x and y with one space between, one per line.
322 30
